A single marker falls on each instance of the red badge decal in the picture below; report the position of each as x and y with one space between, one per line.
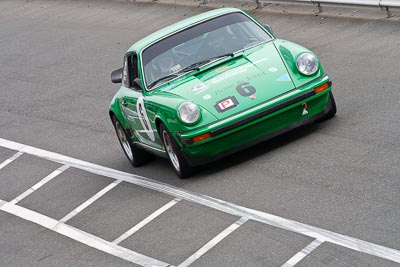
305 109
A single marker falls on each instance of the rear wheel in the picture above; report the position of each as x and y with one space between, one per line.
135 155
332 110
178 162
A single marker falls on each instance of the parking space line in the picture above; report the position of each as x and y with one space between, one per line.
11 159
303 253
148 219
45 180
88 202
80 236
213 242
218 204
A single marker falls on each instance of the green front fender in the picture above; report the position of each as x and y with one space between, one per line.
289 53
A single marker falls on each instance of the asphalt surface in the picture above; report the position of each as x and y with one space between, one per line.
341 175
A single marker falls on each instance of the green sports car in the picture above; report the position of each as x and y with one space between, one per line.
213 84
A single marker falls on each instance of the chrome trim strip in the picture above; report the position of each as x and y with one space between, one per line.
150 147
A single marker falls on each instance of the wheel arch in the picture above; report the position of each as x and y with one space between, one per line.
160 120
114 111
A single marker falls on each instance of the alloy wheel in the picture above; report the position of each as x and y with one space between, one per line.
170 150
124 140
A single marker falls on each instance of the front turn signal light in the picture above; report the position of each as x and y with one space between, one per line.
321 88
201 137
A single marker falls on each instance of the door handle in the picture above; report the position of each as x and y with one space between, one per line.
124 103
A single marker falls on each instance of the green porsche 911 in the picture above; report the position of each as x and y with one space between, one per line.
213 84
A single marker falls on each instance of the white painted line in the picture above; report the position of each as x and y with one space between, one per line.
148 219
11 159
213 242
221 205
88 202
303 253
45 180
80 236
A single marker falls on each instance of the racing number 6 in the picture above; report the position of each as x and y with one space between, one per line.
246 89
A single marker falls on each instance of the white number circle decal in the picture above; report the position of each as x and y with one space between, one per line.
144 120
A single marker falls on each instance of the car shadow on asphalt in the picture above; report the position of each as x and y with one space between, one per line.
256 151
160 169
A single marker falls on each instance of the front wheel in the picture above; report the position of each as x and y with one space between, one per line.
178 162
135 155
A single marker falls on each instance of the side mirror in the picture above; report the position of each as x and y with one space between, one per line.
116 76
137 83
269 28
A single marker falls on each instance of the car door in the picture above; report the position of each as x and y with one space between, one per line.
134 106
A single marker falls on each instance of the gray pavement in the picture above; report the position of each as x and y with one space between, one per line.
341 175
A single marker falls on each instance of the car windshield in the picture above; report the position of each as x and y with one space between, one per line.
175 54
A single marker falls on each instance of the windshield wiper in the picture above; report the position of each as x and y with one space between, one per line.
165 78
197 65
194 66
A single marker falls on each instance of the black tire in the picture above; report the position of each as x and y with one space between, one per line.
332 110
175 156
136 156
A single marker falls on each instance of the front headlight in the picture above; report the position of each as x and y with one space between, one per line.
189 112
307 64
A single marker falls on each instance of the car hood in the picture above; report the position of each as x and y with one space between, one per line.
237 83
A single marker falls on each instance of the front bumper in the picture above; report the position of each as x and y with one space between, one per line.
258 126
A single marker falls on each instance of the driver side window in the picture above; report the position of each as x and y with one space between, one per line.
130 72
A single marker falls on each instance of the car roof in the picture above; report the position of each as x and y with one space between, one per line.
143 43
